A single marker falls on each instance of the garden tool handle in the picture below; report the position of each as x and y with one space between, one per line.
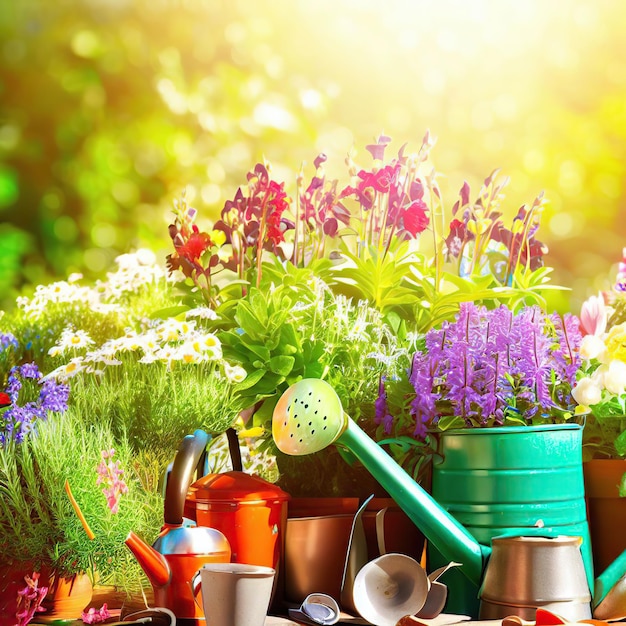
234 450
189 452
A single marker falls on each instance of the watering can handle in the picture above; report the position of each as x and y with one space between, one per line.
189 452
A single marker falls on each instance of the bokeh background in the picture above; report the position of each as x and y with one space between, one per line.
110 108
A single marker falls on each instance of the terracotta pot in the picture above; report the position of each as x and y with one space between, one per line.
606 509
67 597
316 543
317 537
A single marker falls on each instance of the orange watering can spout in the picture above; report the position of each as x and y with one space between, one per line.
153 563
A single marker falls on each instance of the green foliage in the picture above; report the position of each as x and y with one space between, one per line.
37 520
268 342
380 278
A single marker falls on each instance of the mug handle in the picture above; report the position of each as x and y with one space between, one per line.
195 583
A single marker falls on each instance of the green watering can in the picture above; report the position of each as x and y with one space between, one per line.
309 417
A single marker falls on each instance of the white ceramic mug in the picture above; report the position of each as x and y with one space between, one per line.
236 594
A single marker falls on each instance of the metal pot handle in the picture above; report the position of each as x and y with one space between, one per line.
189 452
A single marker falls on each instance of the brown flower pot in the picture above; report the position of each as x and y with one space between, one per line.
67 597
317 537
606 510
65 600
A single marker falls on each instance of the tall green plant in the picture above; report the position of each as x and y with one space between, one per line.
37 521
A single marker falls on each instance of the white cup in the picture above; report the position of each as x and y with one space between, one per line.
236 594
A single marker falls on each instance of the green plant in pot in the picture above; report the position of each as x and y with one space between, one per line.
138 383
493 388
47 447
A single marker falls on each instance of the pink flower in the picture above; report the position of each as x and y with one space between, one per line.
593 316
110 475
95 616
29 599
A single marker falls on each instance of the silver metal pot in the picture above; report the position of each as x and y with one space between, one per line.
528 572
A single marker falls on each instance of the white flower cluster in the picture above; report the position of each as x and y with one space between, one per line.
133 271
68 292
610 375
169 342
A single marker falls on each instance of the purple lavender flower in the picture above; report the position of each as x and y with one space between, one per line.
382 415
29 370
423 405
7 340
18 420
54 396
491 365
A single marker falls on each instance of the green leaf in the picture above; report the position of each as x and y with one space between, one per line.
261 351
450 421
281 364
246 318
167 312
250 380
314 369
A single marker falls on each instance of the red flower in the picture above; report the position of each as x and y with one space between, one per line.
456 237
415 217
195 246
4 400
380 180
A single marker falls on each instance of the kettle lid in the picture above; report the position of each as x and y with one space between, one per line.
192 540
235 486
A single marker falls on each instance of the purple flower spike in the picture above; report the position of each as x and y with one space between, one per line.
489 366
20 418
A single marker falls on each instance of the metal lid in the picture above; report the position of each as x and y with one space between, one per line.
234 486
192 540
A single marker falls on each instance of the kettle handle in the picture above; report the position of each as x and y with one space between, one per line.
189 452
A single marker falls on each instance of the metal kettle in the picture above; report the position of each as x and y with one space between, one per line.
180 550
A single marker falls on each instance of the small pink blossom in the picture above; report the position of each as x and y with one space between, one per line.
29 599
95 616
110 475
593 316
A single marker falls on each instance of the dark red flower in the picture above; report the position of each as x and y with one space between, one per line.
456 237
415 217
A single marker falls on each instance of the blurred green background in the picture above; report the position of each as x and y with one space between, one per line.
109 108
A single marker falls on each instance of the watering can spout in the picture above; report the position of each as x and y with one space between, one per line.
609 594
153 563
309 417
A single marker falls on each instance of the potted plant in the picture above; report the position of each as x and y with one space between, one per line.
132 384
600 392
46 447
